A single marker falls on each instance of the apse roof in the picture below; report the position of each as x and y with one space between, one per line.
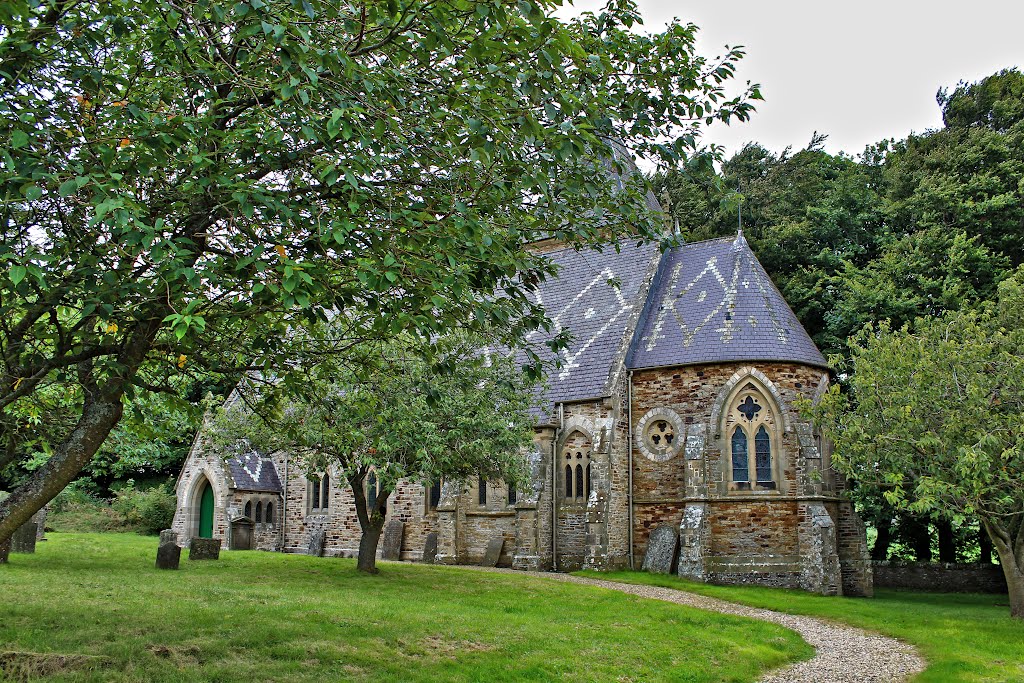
251 472
711 302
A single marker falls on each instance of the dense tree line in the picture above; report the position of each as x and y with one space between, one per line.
909 229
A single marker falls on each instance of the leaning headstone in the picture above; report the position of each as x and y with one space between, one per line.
493 552
662 547
40 519
168 536
391 544
168 555
430 548
317 539
204 549
24 538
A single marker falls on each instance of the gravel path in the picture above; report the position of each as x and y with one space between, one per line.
843 654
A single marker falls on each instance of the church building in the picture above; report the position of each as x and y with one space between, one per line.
675 405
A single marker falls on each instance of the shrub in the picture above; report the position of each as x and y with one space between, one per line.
149 511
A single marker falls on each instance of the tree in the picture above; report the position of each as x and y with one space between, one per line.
933 418
388 411
182 182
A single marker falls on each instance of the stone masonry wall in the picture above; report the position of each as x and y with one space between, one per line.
942 577
745 536
202 465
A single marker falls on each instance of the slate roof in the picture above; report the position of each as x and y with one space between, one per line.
711 302
600 315
251 472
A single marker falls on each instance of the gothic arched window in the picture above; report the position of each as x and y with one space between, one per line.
259 512
314 485
269 517
740 470
752 439
248 509
576 477
325 491
481 490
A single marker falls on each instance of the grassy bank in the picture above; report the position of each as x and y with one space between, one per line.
964 637
93 607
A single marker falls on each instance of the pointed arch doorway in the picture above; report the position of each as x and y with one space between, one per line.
206 511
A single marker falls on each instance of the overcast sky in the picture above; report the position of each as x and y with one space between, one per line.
858 71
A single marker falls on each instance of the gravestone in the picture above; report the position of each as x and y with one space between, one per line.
168 536
168 555
317 539
40 519
662 547
391 544
23 540
242 533
493 552
204 549
430 548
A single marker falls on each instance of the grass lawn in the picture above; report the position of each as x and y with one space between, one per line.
93 607
964 637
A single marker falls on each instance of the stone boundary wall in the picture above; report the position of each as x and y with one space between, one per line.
940 577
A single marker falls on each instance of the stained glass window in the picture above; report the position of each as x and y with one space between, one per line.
325 491
568 481
259 512
739 456
588 480
579 481
763 451
749 408
269 517
315 482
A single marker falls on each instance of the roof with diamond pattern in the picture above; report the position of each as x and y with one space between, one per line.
713 302
251 472
596 296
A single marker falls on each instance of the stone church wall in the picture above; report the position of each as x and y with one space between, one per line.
201 465
752 537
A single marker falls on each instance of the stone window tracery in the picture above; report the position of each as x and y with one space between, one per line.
576 457
660 434
752 439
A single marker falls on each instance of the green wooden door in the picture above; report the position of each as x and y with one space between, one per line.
206 512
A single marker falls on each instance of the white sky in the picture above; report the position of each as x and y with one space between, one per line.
858 71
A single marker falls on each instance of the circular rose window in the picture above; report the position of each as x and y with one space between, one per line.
660 434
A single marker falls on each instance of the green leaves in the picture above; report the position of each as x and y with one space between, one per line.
17 274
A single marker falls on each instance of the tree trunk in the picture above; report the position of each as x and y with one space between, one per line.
5 550
984 545
947 540
371 521
880 550
920 539
1012 562
368 546
99 415
101 412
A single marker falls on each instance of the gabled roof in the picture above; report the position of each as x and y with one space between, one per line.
713 302
251 472
596 295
